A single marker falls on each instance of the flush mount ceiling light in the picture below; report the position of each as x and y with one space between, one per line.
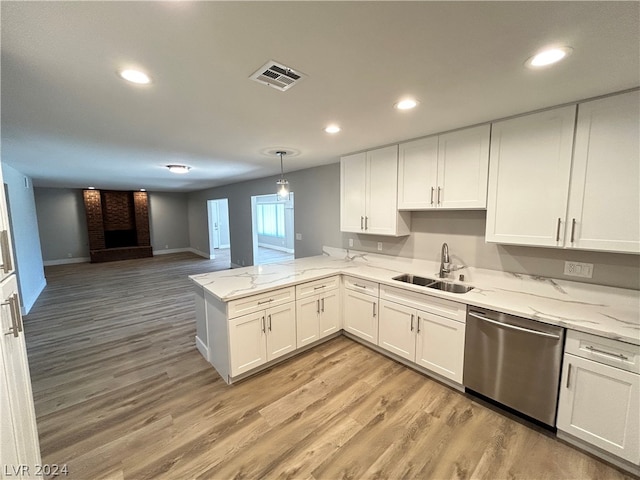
406 104
178 168
135 76
332 129
282 183
548 56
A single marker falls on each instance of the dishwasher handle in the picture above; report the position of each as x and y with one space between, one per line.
513 327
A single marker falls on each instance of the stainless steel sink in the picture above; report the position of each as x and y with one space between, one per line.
432 283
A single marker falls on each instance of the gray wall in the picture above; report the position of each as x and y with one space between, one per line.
63 227
62 224
169 221
316 215
464 233
26 240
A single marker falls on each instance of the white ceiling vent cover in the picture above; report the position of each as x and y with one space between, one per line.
277 76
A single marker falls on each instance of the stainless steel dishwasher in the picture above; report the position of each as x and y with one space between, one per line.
514 361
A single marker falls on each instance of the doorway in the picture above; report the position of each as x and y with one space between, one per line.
218 216
273 229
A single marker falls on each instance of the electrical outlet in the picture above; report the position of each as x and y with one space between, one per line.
69 255
166 246
577 269
351 242
379 246
298 236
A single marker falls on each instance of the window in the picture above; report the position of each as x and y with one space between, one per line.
271 219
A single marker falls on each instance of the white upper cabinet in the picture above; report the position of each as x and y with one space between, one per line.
528 178
446 171
368 193
604 200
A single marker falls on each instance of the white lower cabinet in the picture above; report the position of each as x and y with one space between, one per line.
317 310
413 331
600 394
360 310
260 337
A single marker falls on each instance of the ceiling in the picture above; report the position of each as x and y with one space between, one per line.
69 121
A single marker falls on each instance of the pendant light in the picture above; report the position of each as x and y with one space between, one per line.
283 184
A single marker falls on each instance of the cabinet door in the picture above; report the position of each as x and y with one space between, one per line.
329 313
605 180
247 342
352 192
417 174
281 330
398 325
440 345
360 315
463 168
600 405
529 178
382 191
6 254
21 444
307 320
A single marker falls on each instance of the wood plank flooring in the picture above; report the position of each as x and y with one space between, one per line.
122 393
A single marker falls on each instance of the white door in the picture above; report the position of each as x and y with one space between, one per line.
19 440
600 405
397 329
604 206
307 320
360 316
330 313
529 178
382 191
247 342
214 224
352 192
281 330
463 168
440 345
418 174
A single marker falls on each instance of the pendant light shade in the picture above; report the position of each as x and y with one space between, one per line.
283 184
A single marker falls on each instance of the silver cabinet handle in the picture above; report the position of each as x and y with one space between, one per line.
16 310
318 288
6 255
432 195
366 223
323 305
269 322
14 329
412 323
318 307
514 327
439 195
264 330
558 230
374 309
265 301
361 223
573 230
359 286
418 324
569 376
603 352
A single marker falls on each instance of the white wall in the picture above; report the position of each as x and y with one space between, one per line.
26 239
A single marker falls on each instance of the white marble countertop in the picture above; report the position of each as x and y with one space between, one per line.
605 311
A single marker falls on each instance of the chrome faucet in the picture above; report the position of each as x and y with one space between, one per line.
444 261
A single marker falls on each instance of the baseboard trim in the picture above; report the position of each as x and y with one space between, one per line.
235 265
276 247
200 254
166 251
65 261
202 348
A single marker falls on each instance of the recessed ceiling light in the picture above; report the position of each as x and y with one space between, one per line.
548 57
135 76
406 104
143 189
332 129
91 188
178 168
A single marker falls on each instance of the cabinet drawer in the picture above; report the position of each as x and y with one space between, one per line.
428 303
604 350
360 285
244 306
317 286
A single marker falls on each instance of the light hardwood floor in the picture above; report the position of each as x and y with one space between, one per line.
121 392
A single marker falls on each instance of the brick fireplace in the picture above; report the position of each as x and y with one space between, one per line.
118 225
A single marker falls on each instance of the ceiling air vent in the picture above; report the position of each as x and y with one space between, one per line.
277 76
